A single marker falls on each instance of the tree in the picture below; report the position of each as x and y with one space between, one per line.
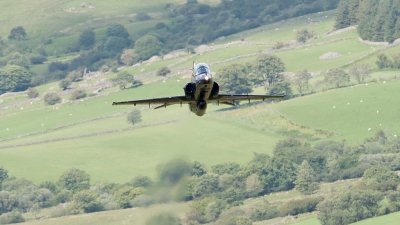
115 44
198 169
163 71
160 25
87 202
147 46
233 79
86 39
206 185
134 117
37 59
123 79
14 78
142 16
78 94
129 57
117 30
32 93
141 181
75 76
303 35
35 209
337 77
11 217
346 14
3 175
360 72
304 181
126 194
17 33
253 185
267 69
378 174
18 59
281 88
383 61
347 207
64 84
226 168
74 180
300 80
51 98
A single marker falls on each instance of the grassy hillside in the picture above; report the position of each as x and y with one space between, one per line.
44 16
135 216
353 112
224 134
210 138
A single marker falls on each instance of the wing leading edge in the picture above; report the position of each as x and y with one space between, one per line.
227 97
222 98
164 101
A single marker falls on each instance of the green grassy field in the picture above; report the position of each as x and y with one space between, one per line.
42 16
391 219
352 112
134 216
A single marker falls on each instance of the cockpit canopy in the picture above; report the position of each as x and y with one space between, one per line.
201 70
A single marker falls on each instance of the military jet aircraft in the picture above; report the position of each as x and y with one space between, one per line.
198 93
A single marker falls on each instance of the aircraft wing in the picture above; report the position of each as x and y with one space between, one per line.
165 101
232 98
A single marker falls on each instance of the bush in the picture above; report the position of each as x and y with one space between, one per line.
163 71
51 98
141 181
264 212
142 17
54 66
143 201
63 196
11 217
160 25
37 59
32 93
78 94
58 211
75 76
64 84
295 207
38 80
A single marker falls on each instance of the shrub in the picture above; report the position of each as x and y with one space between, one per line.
263 212
37 59
295 207
163 71
142 16
51 98
143 201
74 76
32 93
78 94
64 84
54 66
11 217
38 80
160 25
58 211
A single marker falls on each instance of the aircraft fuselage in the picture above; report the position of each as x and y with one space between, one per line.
201 89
